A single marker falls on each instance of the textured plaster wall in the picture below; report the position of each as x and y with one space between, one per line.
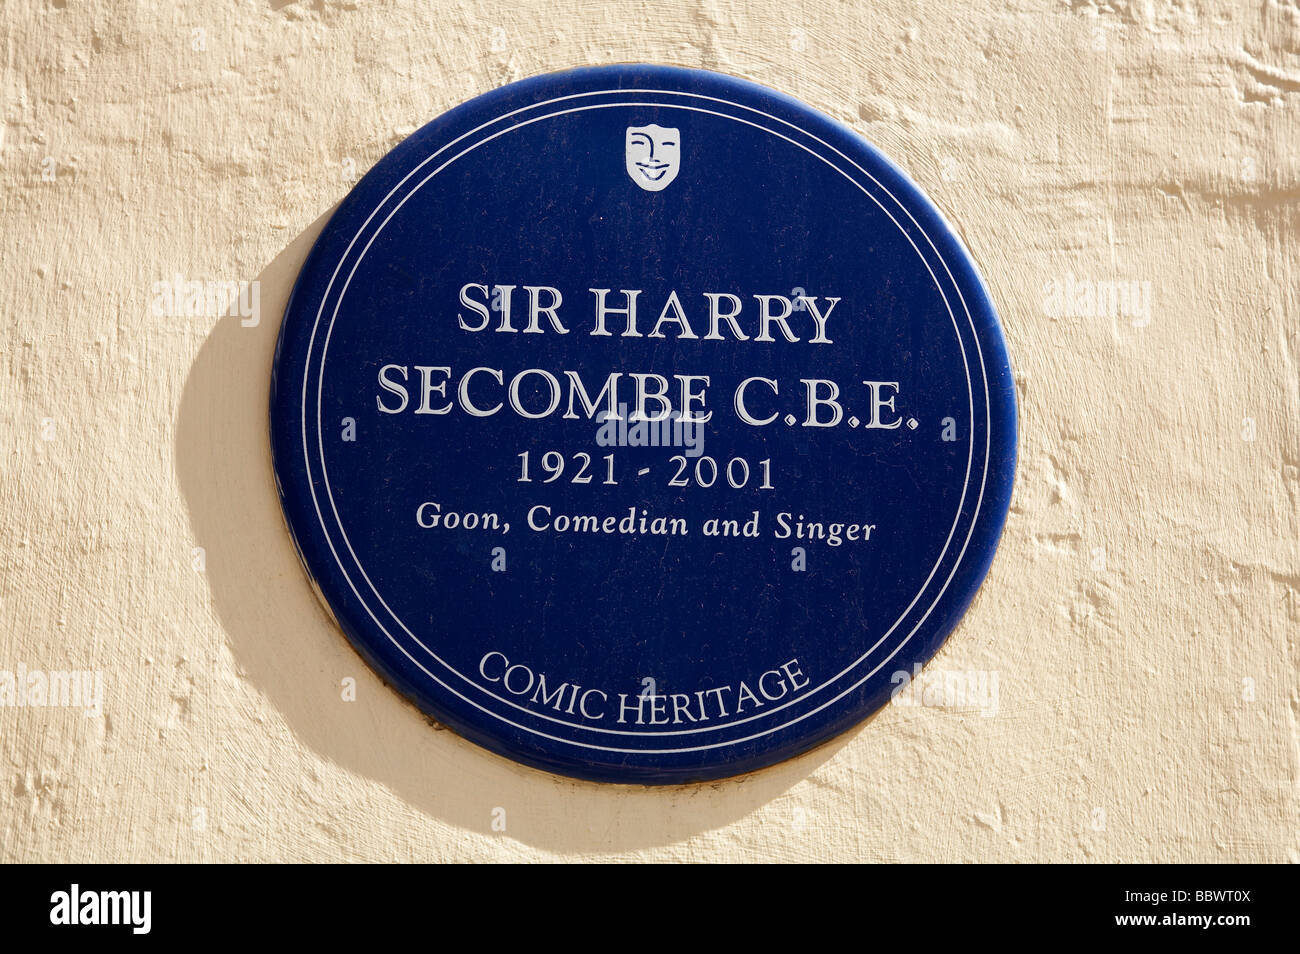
1142 613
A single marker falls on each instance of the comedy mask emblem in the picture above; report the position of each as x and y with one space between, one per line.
653 156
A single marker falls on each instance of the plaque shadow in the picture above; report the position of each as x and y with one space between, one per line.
287 647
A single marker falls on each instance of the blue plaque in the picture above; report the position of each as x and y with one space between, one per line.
641 423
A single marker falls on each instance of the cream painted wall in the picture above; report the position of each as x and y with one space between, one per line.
1142 613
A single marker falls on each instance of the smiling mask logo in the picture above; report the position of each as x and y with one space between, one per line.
653 156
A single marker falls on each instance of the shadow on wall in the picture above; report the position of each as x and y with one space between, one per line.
283 640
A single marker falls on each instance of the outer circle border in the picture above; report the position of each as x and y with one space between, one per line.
983 333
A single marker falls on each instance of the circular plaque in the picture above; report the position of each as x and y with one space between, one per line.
642 424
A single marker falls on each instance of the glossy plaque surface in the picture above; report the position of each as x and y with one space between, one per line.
642 424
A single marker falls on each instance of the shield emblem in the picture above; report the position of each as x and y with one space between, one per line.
653 156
